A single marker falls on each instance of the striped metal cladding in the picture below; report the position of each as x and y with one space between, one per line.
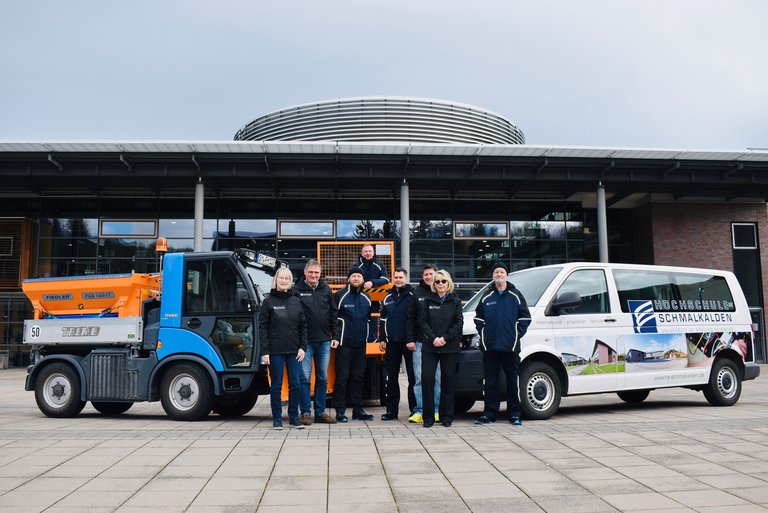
110 379
384 119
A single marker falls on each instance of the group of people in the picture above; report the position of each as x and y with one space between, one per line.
300 323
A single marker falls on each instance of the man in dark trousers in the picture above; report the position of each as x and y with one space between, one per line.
393 333
502 318
322 334
416 339
356 329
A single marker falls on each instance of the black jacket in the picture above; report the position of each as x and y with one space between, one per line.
393 323
502 319
441 319
373 271
319 309
356 324
420 293
282 328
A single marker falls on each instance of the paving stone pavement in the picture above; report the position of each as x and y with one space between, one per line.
673 453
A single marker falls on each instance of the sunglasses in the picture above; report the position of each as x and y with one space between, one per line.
441 281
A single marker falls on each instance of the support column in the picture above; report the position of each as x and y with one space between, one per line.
199 204
602 224
405 229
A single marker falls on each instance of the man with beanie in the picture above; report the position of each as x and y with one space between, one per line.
356 329
393 333
322 334
502 318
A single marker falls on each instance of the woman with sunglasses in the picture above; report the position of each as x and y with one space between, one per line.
441 322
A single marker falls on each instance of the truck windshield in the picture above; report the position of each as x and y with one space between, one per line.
531 282
262 281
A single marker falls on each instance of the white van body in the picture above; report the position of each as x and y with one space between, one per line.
629 329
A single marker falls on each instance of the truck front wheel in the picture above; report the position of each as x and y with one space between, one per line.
539 391
57 392
186 392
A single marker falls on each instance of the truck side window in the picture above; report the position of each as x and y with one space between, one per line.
211 286
590 284
642 286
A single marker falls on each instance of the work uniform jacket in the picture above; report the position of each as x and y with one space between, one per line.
373 271
393 323
356 326
441 318
282 328
319 309
502 318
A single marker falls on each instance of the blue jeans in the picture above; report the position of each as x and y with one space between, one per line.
417 384
321 352
277 362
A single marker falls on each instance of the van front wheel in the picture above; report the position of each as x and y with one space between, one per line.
540 394
724 387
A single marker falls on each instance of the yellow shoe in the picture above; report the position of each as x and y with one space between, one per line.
437 417
416 418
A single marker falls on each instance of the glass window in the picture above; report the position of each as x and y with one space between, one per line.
538 249
525 230
319 229
744 236
367 229
132 228
67 248
428 250
127 248
590 284
68 228
637 285
184 228
211 286
704 292
431 229
481 229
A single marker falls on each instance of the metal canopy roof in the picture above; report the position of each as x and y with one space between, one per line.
303 169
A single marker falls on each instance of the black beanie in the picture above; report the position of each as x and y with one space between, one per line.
497 264
354 269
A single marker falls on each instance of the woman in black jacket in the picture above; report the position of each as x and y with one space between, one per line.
441 321
283 340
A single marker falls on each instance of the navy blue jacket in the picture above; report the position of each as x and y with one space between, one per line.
373 271
420 293
356 326
393 323
502 319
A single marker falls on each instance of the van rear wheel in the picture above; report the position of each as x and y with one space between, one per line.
633 396
724 387
541 391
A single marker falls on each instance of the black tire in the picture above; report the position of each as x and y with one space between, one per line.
111 408
57 391
462 404
540 391
234 406
186 392
633 396
724 387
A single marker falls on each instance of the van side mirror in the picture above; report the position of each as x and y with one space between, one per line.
242 301
564 300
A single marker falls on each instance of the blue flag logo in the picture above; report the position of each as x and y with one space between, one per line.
643 316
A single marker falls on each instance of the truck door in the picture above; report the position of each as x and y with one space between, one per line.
214 309
587 336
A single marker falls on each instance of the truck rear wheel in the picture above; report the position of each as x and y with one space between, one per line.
237 406
724 387
186 392
111 408
57 391
539 391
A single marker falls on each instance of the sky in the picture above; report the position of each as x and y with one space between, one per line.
688 74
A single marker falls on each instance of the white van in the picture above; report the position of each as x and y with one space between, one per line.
622 328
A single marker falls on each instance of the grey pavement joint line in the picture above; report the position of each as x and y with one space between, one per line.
421 442
386 475
272 470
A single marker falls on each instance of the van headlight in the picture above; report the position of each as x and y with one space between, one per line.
471 341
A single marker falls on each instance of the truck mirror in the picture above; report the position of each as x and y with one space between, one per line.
564 300
242 301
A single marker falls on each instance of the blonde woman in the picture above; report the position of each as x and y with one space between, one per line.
441 321
283 340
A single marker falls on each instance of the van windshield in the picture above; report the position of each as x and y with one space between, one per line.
531 282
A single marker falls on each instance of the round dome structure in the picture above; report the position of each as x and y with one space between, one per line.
383 119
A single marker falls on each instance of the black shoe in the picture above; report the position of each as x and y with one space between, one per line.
342 419
361 415
428 423
447 422
389 416
515 421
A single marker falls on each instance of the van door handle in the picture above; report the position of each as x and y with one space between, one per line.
194 323
609 320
